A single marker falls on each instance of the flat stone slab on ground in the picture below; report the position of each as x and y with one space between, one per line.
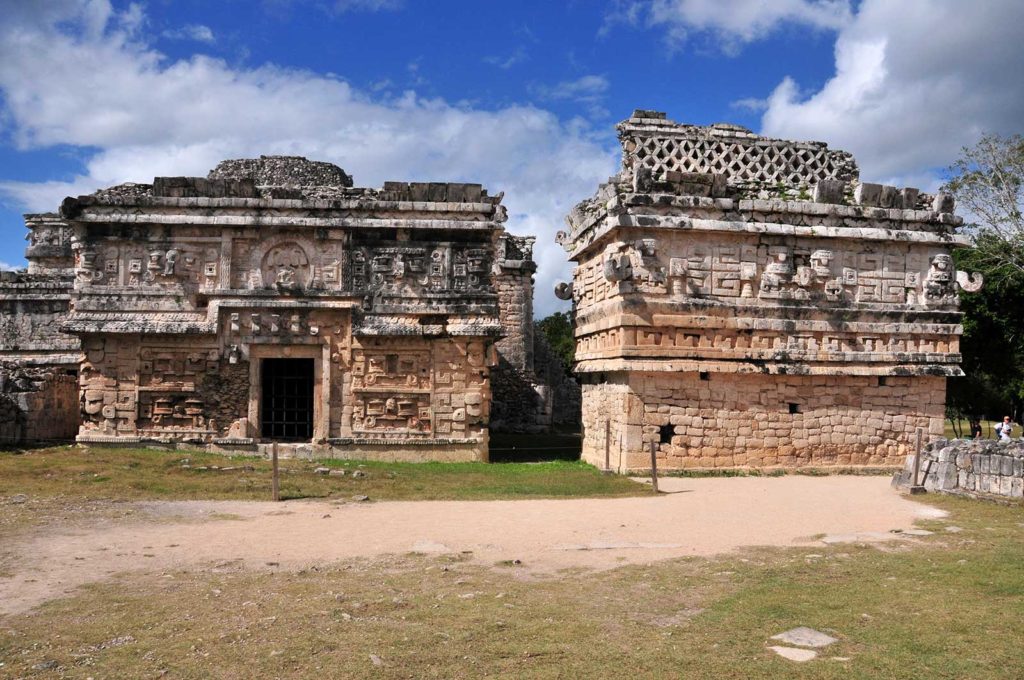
805 637
793 654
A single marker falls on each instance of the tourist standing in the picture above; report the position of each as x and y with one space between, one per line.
1004 429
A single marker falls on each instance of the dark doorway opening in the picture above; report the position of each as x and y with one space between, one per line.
286 407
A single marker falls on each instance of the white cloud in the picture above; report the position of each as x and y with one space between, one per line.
8 267
588 88
80 78
732 22
749 104
196 32
518 56
914 82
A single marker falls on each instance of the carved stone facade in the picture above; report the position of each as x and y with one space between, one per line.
273 301
744 301
38 363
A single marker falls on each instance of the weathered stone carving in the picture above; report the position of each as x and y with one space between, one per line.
636 262
971 283
799 328
939 284
256 313
563 290
777 275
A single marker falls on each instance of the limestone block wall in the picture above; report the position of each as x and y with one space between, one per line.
983 467
514 283
562 395
735 420
37 403
32 307
38 363
531 391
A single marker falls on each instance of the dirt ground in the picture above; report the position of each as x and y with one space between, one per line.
692 517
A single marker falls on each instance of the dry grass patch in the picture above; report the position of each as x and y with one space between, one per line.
949 605
71 484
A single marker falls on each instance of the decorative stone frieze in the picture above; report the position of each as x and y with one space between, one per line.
730 283
274 301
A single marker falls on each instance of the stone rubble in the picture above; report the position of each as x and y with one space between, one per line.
979 468
802 636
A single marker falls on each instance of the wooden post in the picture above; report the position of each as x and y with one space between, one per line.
607 446
275 480
915 486
621 447
654 466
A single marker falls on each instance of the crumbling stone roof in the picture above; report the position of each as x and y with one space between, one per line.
278 177
282 171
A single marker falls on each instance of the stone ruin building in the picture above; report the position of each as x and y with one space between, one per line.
38 363
532 390
745 301
271 301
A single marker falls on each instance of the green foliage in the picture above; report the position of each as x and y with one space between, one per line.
558 330
992 344
988 183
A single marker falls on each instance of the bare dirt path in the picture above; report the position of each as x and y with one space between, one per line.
696 517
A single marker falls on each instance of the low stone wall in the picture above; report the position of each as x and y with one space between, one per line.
969 468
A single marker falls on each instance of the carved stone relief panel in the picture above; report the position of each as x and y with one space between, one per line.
174 369
173 412
287 264
108 380
45 235
395 273
796 270
940 282
167 379
390 368
398 413
285 267
635 266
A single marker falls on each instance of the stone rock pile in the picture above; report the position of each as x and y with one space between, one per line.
983 467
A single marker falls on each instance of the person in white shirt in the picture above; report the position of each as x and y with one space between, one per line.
1004 429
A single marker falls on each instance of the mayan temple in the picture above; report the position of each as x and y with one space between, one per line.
745 301
273 301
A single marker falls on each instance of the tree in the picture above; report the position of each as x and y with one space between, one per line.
988 183
558 331
993 342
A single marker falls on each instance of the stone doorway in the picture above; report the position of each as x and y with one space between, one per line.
286 404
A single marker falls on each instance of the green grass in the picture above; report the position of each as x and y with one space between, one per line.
987 429
139 474
947 606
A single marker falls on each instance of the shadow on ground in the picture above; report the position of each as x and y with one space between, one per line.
534 448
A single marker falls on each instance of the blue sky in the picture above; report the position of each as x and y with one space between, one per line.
520 96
